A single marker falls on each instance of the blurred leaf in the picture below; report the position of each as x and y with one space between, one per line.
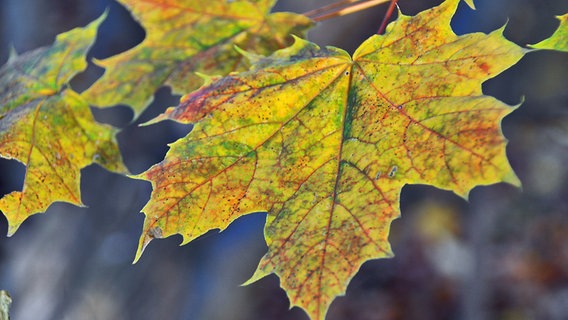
5 302
48 127
188 36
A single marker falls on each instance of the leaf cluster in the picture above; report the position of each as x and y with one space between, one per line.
321 140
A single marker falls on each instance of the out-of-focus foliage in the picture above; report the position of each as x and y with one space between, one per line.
185 37
48 127
5 302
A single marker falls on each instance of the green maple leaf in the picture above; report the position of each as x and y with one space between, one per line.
324 143
48 127
188 36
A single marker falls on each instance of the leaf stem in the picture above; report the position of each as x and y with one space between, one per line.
345 7
387 16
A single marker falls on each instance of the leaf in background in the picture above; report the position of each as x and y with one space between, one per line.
5 302
188 36
325 142
559 39
48 127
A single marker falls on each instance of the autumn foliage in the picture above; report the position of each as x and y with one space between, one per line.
321 140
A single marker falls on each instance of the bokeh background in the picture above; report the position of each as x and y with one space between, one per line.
501 255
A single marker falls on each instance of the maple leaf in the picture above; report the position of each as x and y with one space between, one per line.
324 143
559 39
188 36
49 127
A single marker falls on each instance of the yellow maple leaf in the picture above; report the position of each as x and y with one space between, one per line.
324 143
188 36
49 127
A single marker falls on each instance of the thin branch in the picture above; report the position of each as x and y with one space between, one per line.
320 10
351 8
387 16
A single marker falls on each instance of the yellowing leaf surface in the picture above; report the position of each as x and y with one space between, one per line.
48 127
559 39
188 36
324 142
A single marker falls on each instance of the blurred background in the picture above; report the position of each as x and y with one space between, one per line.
501 255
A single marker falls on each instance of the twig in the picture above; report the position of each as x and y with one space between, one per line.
318 11
387 16
353 6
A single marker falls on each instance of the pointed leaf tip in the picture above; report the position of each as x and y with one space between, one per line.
558 40
251 57
142 244
207 79
470 4
12 53
13 226
151 233
258 274
161 117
